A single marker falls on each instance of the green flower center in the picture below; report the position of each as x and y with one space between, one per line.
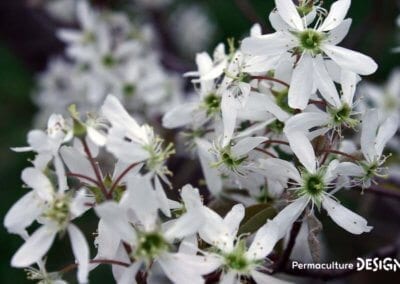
150 245
212 103
58 211
129 89
313 186
277 126
310 40
236 261
108 60
343 116
230 161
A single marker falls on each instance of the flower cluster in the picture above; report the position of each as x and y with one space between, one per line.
272 123
108 54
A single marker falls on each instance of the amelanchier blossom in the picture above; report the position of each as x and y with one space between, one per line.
273 124
311 47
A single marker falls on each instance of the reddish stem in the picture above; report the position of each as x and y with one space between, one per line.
119 178
83 177
100 261
341 153
266 152
271 79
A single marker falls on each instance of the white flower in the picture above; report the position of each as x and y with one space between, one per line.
55 210
150 241
232 255
312 186
311 45
132 143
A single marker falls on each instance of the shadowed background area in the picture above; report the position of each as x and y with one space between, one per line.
28 41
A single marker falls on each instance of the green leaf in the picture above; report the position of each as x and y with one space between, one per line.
255 217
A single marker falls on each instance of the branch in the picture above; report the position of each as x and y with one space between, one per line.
119 178
95 168
271 79
100 261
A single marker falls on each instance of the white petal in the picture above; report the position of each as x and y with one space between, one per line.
229 277
305 121
179 116
162 197
22 213
129 275
336 15
345 218
96 136
288 11
280 168
80 249
106 242
264 241
39 182
247 144
303 149
233 218
229 114
370 123
77 162
177 270
324 82
386 131
277 22
270 44
115 218
351 60
349 169
34 248
349 84
301 86
336 35
211 174
285 219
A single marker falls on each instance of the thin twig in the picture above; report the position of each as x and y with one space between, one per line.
72 266
95 168
374 189
83 177
332 151
271 79
120 177
267 142
266 152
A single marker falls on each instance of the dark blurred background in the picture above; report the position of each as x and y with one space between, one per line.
27 41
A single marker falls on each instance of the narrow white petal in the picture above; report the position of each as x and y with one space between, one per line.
349 84
179 116
229 114
301 85
303 149
245 145
22 213
37 180
229 277
277 168
288 11
324 82
264 241
270 44
370 123
336 35
34 248
351 60
386 131
345 218
233 218
162 197
289 215
277 22
336 15
77 162
211 174
305 121
80 250
129 275
115 218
